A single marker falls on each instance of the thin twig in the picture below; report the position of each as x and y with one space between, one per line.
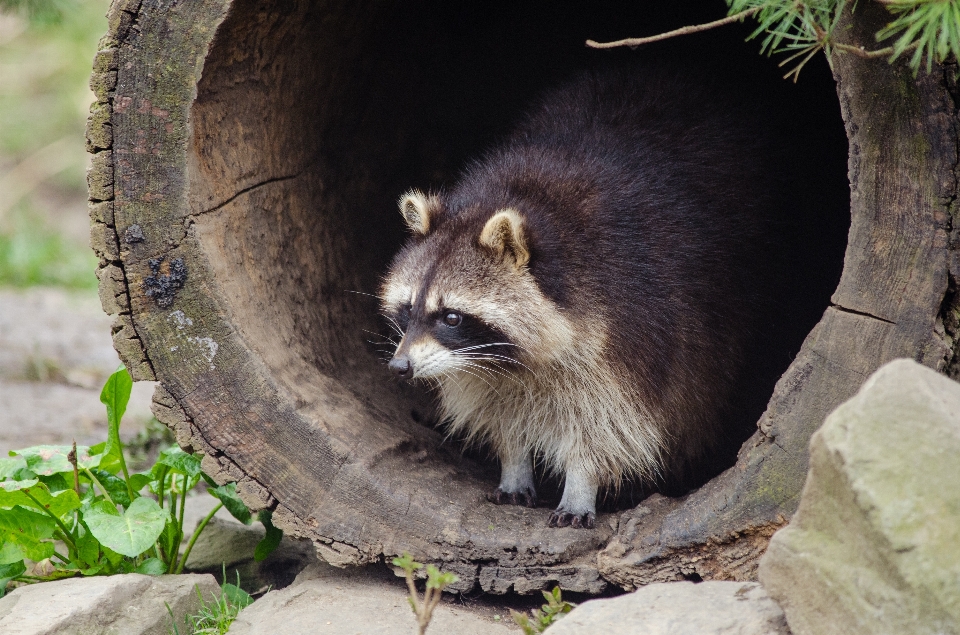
859 51
695 28
72 458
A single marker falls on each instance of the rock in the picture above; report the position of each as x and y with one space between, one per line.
875 544
679 608
228 543
131 604
325 600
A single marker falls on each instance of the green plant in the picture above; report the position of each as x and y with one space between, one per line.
80 509
539 619
436 582
930 29
216 616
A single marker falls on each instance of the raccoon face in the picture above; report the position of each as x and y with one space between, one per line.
460 295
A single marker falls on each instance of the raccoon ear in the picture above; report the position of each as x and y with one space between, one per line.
419 211
504 233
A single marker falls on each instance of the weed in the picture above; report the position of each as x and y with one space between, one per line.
436 582
108 519
540 619
216 616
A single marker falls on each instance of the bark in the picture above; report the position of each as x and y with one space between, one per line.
238 192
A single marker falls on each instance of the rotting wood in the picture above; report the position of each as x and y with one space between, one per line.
250 352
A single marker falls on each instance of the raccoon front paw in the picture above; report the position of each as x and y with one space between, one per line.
563 518
524 498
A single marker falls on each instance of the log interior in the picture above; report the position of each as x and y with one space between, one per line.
309 120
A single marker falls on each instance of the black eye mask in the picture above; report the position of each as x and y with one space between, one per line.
471 331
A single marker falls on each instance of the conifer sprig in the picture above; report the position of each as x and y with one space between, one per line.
929 29
800 28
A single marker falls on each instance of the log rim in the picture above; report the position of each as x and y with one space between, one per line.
116 244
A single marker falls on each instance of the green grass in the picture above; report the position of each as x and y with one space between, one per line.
33 254
215 616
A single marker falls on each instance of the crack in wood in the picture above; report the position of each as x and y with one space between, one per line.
276 179
861 313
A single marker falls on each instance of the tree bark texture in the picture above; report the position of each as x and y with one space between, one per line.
242 154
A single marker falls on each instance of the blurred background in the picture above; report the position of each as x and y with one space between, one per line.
55 347
46 49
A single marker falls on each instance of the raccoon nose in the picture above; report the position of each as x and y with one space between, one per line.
401 366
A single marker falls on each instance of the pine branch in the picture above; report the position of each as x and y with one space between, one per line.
687 30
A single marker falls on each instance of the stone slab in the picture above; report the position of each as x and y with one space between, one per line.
130 604
325 600
679 608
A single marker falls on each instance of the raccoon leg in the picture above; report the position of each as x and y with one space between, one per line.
516 483
578 505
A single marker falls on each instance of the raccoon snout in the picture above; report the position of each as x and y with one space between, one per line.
401 366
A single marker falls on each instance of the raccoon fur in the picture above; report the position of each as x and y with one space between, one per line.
593 294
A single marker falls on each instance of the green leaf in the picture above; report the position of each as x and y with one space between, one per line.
88 548
27 529
45 460
131 532
58 504
115 396
9 572
227 494
116 487
13 486
139 480
270 541
151 566
10 467
10 552
56 482
236 596
180 461
407 563
112 557
437 580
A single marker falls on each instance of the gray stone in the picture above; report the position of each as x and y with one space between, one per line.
325 600
875 544
679 608
131 604
228 543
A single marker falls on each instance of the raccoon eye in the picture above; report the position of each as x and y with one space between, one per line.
452 319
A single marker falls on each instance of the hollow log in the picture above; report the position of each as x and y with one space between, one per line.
239 169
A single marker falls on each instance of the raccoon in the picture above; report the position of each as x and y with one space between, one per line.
594 293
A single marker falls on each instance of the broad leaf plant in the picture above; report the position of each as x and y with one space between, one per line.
77 510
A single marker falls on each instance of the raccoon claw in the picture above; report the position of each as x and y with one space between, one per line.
524 498
561 518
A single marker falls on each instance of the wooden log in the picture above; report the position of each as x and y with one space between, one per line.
245 158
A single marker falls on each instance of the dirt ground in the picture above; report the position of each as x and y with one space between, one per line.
55 354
